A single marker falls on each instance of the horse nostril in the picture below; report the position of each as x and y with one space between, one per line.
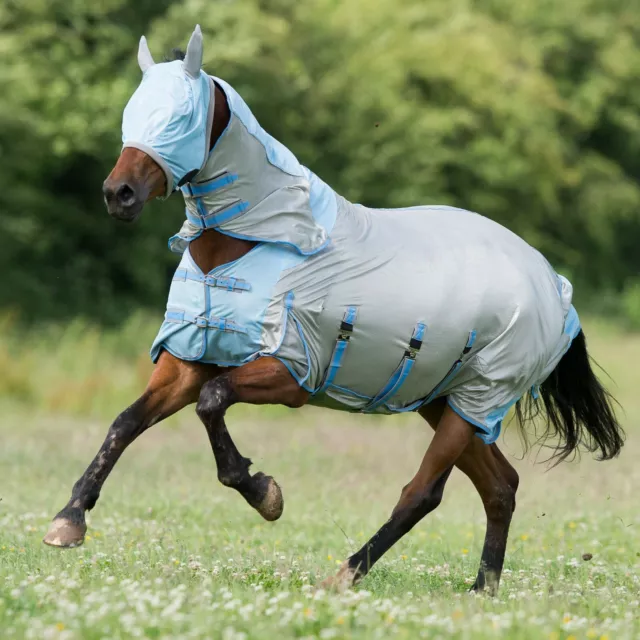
126 195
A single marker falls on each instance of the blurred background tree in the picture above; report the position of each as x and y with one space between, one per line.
527 112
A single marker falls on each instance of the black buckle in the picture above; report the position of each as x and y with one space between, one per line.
346 329
414 347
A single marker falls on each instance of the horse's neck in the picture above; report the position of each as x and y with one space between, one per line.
212 248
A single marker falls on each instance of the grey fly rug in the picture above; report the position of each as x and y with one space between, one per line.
371 310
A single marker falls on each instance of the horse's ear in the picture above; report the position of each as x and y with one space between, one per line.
144 55
193 58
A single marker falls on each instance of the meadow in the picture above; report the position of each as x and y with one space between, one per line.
170 553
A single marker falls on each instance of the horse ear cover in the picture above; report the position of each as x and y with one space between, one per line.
145 59
193 58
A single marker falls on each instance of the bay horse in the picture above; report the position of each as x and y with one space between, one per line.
289 294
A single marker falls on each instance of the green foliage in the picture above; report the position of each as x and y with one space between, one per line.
528 112
631 303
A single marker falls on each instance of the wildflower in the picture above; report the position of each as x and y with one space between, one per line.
524 536
465 551
60 626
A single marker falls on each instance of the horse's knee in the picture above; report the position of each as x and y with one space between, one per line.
421 500
214 398
501 503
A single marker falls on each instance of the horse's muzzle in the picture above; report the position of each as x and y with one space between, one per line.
123 200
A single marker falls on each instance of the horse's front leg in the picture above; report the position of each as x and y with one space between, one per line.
173 384
263 381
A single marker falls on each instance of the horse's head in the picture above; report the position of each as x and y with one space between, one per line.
165 131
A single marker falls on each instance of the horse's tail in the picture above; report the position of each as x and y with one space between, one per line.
579 410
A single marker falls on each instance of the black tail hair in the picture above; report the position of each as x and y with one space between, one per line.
579 410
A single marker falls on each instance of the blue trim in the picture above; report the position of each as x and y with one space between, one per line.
288 367
484 434
350 392
464 416
306 349
339 350
241 236
288 304
471 339
188 240
493 422
179 356
399 376
224 131
197 190
572 323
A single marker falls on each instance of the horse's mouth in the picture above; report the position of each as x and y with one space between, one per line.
124 214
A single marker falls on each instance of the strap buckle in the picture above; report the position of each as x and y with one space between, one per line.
345 331
412 350
201 322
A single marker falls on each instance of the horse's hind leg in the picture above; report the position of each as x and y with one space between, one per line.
497 482
173 384
421 496
263 381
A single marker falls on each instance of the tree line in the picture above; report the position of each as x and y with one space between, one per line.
527 112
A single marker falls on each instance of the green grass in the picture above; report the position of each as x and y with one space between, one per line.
173 554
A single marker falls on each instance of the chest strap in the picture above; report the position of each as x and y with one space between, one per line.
340 348
210 219
228 283
402 371
210 322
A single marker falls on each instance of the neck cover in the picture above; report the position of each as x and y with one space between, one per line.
169 117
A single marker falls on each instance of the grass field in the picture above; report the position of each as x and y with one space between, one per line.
173 554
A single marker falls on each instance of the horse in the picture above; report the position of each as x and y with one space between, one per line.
289 294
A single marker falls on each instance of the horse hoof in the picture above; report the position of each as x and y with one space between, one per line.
65 534
342 581
272 504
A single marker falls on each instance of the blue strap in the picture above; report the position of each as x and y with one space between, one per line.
453 371
200 189
346 329
403 370
206 220
212 322
228 283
